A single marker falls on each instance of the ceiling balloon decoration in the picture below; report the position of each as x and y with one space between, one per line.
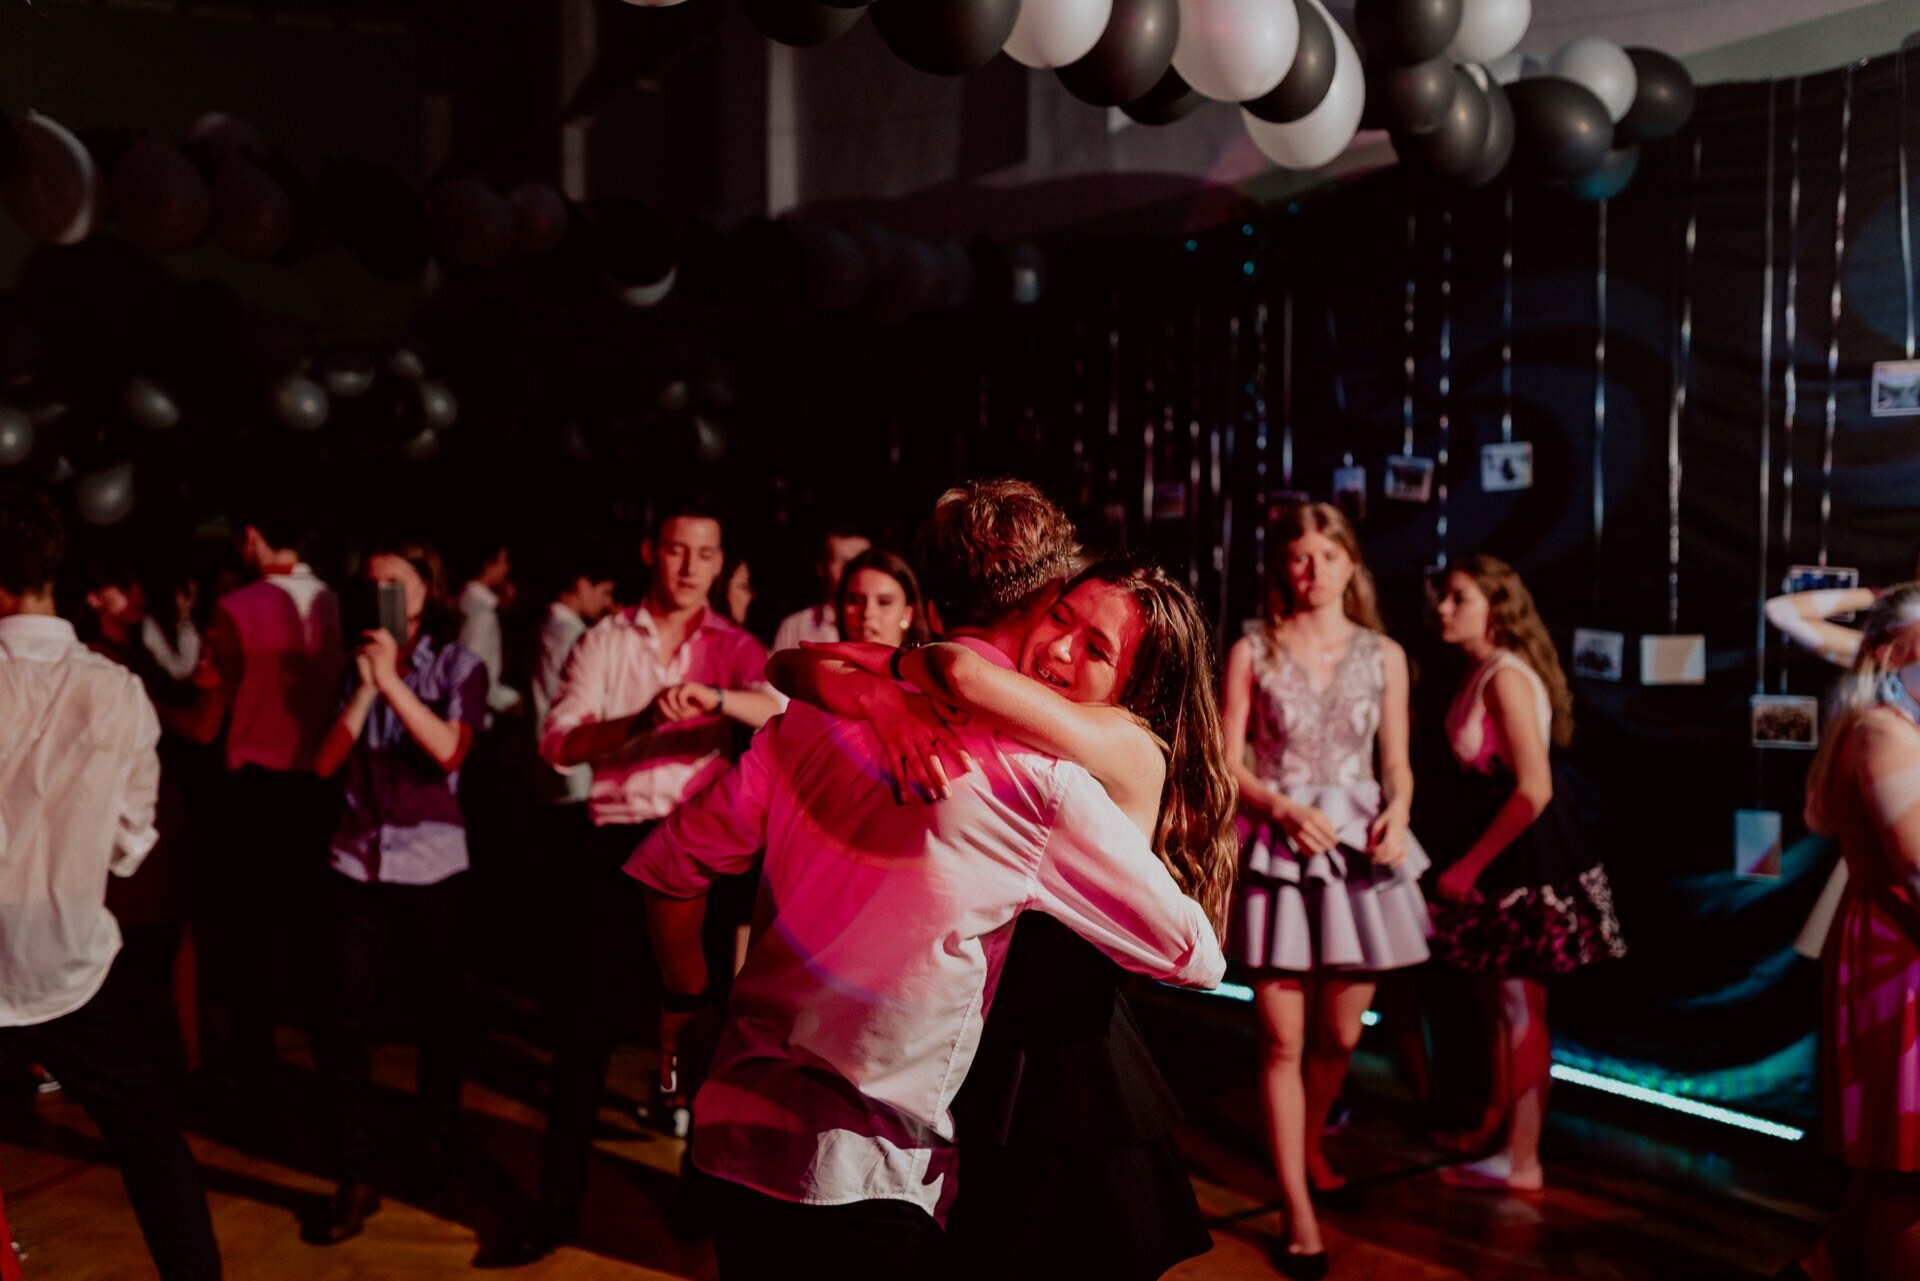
16 436
1662 99
1055 33
149 405
1456 147
252 217
54 190
1318 137
1235 50
540 217
945 37
1170 100
1561 130
1490 29
1412 99
299 403
1306 83
160 202
1130 57
105 497
473 224
1497 150
1601 66
801 23
1406 31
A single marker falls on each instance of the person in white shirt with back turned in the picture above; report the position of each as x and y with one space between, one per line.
880 933
481 600
79 778
820 622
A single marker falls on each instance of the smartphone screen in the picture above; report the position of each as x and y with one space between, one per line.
392 602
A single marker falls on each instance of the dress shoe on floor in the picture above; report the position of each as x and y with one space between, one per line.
345 1216
1299 1267
532 1239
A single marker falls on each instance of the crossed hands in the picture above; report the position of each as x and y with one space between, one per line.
916 734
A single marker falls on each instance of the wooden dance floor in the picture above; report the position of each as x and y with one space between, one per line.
1621 1205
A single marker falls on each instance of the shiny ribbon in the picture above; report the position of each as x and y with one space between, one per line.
1906 228
1790 376
1260 429
1506 325
1682 370
1408 364
1599 396
1446 379
1766 410
1223 456
1339 383
1833 312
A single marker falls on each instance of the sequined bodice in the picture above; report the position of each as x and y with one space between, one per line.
1305 738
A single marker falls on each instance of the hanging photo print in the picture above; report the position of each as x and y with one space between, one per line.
1350 492
1786 720
1170 500
1756 845
1896 388
1821 578
1673 660
1408 479
1598 655
1506 467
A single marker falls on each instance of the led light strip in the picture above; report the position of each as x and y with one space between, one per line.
1606 1085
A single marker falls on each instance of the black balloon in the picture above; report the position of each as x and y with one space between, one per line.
946 37
1454 148
1560 129
1406 31
1607 179
1411 100
1170 100
1662 102
377 217
800 23
1311 75
1498 148
1130 57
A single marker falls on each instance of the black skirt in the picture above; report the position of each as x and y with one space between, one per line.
1067 1161
1543 907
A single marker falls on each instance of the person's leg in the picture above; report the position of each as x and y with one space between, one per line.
431 923
355 952
103 1062
762 1238
248 906
1493 1116
1282 1006
186 997
1338 1005
1528 1056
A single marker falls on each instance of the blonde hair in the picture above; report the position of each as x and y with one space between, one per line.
1516 625
1857 692
1362 599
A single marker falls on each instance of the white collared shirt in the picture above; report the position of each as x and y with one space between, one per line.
815 624
560 632
79 779
879 937
616 670
480 634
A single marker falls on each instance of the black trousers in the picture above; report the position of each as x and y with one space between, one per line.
104 1063
762 1238
269 864
381 937
611 970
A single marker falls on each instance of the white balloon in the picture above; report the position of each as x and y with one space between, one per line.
54 191
1515 65
1236 50
16 436
1489 29
1319 137
1602 66
650 295
300 403
438 406
1053 33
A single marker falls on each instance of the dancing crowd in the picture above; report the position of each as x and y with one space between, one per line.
881 890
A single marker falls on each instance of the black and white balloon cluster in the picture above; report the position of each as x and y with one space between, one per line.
895 276
1461 101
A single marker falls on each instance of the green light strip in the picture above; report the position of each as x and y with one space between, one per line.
1607 1085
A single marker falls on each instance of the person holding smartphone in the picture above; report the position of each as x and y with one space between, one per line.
409 708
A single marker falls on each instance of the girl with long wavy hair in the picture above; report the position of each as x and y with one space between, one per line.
1521 900
1329 896
1066 1125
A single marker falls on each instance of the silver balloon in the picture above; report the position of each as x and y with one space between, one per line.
709 441
105 497
149 405
675 396
648 295
346 379
300 403
437 405
16 436
1603 67
421 447
62 471
406 363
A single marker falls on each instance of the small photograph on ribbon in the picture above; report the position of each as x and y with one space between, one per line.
1896 388
1598 655
1408 479
1673 660
1350 492
1506 467
1756 845
1785 720
1821 578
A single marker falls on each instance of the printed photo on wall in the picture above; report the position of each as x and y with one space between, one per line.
1756 845
1598 655
1896 388
1350 492
1170 500
1673 660
1408 479
1506 467
1821 578
1785 720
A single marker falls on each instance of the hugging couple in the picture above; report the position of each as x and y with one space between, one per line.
1057 759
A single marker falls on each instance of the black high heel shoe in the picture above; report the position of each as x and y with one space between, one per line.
1298 1267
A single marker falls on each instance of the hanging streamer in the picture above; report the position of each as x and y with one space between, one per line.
1683 367
1906 227
1599 398
1506 326
1406 391
1339 383
1222 467
1113 400
1446 377
1790 377
1766 410
1260 438
1196 388
1833 312
1149 420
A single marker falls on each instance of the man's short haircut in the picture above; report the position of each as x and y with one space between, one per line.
282 524
689 505
990 547
33 542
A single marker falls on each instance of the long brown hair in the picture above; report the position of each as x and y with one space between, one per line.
440 617
1858 692
1362 600
896 568
1170 687
1516 625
